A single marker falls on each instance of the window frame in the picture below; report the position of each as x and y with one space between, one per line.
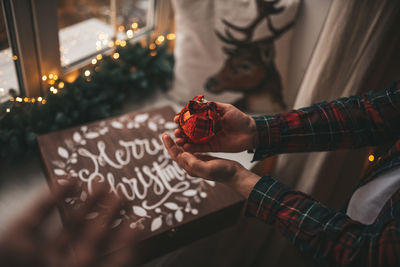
33 34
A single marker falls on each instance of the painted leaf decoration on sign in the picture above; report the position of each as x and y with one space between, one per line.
62 182
59 164
190 193
212 183
140 226
152 126
139 211
168 219
103 130
59 172
156 224
195 211
171 205
170 125
62 152
141 117
92 215
179 215
77 137
83 196
117 125
203 194
92 135
69 144
116 223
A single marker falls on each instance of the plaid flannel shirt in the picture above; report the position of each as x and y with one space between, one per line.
331 236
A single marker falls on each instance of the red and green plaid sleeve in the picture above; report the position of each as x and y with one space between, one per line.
332 237
344 123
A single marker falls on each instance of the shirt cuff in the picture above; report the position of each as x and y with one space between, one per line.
264 199
266 136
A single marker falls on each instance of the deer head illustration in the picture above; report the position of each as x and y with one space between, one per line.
250 66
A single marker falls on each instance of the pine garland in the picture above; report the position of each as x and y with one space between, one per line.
137 73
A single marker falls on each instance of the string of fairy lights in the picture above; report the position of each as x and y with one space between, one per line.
55 85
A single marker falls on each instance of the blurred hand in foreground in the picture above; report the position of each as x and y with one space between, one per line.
221 170
238 133
28 242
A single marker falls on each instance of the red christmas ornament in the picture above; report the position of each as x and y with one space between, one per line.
198 120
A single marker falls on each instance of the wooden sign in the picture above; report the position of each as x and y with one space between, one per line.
125 155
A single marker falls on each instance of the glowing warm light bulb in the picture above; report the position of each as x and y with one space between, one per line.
129 33
55 77
44 101
52 88
110 44
8 110
55 91
116 55
134 25
99 57
371 158
61 85
87 73
15 57
51 76
39 99
123 43
44 78
94 61
152 46
171 36
19 99
121 28
161 38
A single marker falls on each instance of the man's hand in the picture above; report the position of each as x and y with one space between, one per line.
225 171
29 243
238 133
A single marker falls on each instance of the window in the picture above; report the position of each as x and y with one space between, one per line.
85 29
89 27
8 75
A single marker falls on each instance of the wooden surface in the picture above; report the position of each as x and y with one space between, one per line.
125 155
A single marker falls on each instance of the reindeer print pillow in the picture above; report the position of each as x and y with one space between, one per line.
234 51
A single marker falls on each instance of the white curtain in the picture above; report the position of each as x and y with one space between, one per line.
358 51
